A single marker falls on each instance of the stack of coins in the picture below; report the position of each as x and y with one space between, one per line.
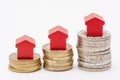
94 52
57 60
24 65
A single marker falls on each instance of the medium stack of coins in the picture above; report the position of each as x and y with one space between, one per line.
24 65
94 52
57 60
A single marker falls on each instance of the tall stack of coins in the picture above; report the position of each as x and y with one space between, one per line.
24 65
57 60
94 52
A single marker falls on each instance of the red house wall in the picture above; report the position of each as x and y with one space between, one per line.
25 50
94 27
58 44
96 31
25 53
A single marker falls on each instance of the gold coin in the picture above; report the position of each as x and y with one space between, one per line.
26 68
60 58
19 63
70 63
13 57
52 68
56 61
22 62
24 65
21 71
57 53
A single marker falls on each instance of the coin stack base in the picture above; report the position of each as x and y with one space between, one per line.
24 65
94 70
94 53
57 60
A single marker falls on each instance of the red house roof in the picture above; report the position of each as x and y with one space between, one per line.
58 29
25 38
91 16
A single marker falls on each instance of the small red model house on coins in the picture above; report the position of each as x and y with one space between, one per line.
25 45
58 36
94 24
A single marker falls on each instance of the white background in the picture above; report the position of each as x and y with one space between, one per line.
36 17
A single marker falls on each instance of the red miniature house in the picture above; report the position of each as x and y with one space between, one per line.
58 36
25 46
94 24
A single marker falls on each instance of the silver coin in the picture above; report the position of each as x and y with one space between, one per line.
94 53
93 44
96 57
93 49
95 70
94 67
94 64
90 65
106 36
95 61
79 39
91 60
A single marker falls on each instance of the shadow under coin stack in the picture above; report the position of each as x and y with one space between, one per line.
24 61
94 45
57 55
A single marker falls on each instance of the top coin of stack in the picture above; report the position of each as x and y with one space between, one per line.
93 45
57 55
24 60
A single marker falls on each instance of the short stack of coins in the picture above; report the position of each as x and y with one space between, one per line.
24 60
94 52
24 65
57 60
